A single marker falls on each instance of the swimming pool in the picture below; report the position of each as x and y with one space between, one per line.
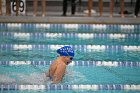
107 57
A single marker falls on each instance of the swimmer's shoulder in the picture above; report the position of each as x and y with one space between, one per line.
59 62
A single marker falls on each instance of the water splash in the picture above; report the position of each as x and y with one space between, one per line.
33 78
4 79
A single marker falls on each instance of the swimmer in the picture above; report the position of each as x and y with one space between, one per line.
58 67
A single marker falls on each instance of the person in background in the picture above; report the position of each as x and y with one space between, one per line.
58 67
65 5
137 8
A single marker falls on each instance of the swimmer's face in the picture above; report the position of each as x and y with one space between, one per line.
69 59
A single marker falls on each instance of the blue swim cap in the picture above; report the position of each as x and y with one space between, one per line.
66 51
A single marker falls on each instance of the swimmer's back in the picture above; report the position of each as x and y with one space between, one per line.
54 66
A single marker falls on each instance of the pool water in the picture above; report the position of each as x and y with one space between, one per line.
104 55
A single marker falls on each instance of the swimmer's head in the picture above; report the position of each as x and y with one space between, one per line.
66 51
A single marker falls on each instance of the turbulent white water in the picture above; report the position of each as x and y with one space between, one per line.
6 79
70 77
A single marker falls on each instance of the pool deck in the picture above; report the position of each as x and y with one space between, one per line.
69 19
53 15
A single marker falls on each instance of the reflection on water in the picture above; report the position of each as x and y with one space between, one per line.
73 77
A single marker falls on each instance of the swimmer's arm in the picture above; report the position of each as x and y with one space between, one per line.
59 73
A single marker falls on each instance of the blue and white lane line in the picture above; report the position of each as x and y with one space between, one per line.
84 48
69 26
75 63
37 35
69 87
